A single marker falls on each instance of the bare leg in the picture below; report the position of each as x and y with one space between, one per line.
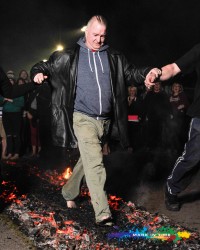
3 148
71 204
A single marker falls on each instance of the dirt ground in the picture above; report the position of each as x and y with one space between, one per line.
10 236
189 216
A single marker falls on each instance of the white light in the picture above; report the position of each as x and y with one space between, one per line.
84 28
44 60
59 47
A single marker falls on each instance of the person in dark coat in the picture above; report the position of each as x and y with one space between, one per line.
186 164
89 97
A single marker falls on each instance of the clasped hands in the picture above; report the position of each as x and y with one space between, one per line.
153 76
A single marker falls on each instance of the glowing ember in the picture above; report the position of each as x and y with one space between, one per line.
67 173
114 201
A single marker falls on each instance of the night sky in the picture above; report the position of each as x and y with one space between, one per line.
149 32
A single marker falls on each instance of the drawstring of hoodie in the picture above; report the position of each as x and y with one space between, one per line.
99 61
89 60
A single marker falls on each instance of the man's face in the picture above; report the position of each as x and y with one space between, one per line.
95 35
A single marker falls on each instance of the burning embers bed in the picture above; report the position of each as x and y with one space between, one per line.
41 213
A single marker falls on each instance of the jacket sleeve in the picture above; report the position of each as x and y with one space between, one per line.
11 91
45 67
133 73
41 67
190 60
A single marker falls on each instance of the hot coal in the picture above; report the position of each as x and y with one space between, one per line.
31 196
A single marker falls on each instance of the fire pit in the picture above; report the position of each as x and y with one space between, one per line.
32 198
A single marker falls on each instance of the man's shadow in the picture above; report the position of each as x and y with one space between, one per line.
127 171
190 197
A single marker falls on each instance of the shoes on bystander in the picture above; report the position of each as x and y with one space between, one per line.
171 201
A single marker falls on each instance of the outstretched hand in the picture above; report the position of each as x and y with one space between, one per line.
8 100
39 78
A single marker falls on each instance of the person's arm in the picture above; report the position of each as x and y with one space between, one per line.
42 70
139 75
169 71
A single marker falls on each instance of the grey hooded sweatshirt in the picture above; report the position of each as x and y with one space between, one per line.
93 90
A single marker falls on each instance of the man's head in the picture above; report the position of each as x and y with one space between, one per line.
95 33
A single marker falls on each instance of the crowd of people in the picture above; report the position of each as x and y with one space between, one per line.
151 114
89 104
21 120
157 119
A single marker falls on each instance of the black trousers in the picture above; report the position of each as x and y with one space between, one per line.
12 122
181 174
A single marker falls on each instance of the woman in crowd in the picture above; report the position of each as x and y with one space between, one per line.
179 103
12 121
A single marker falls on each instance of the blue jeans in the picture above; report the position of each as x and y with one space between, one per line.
180 177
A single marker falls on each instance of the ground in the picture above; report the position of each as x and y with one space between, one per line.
142 187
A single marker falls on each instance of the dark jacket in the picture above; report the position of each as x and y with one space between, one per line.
61 69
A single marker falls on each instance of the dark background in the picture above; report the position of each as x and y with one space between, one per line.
149 32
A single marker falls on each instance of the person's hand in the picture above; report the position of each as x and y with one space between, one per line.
181 106
29 116
152 76
130 99
39 78
8 100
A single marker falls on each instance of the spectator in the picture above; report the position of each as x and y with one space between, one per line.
23 74
12 118
2 132
135 115
34 130
180 104
25 133
158 113
11 75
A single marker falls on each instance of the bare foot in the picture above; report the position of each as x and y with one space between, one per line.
71 204
105 217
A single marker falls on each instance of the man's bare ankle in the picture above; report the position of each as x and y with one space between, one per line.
71 204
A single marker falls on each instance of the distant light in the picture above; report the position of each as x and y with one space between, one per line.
59 47
84 28
44 60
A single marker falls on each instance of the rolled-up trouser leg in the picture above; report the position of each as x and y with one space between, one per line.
89 131
72 188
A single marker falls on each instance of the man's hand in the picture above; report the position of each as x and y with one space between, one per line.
152 76
39 78
8 100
